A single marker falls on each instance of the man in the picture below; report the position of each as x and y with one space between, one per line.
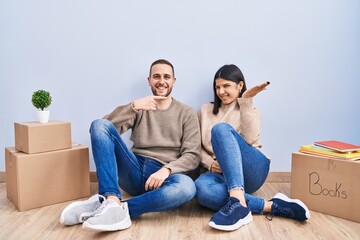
166 139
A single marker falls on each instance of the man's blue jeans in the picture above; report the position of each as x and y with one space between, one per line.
243 167
116 166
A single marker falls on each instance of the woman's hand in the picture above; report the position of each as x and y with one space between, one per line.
255 90
215 167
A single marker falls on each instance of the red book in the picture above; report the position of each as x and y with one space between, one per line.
338 146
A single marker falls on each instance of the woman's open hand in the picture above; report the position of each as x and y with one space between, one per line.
249 93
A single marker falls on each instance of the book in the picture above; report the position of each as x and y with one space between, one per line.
326 152
338 146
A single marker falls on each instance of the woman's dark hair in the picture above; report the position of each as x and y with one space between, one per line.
231 73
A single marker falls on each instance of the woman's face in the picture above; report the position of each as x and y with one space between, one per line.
227 91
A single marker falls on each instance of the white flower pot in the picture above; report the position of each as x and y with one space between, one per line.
43 116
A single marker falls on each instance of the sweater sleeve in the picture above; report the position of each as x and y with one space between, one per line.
206 159
250 122
122 117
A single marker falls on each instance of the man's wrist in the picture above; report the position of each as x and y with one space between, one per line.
169 170
133 106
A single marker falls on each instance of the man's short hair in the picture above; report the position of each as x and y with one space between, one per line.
162 61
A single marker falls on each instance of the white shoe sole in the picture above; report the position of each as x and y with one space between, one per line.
74 204
126 223
297 201
246 220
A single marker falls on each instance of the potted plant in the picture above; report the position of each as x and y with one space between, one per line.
41 99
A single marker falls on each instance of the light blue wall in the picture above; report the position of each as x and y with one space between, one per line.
94 55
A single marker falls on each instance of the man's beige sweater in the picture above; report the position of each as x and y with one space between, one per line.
240 114
170 136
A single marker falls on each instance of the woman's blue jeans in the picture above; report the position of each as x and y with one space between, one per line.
243 167
117 165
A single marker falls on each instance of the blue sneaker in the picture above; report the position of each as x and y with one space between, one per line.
231 217
290 208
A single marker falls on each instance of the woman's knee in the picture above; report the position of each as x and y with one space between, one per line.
220 128
222 131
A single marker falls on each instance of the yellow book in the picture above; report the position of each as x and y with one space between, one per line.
321 151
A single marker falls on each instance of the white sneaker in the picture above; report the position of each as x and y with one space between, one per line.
110 216
79 211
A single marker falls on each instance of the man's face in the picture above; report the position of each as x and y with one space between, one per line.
161 80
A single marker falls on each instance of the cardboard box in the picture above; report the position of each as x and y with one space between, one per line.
35 137
327 185
37 180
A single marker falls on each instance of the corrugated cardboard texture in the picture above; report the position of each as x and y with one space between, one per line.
37 180
327 185
34 137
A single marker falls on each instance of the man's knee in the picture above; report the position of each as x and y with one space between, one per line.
184 187
99 124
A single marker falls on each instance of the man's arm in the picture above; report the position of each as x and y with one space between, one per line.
147 103
123 116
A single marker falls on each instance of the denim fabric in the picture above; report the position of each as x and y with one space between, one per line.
116 165
243 167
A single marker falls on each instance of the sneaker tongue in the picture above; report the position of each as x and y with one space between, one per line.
111 200
105 204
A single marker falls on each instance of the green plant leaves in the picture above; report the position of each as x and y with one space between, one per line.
41 99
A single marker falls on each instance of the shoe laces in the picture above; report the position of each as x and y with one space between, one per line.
269 216
279 211
229 206
226 208
103 205
85 217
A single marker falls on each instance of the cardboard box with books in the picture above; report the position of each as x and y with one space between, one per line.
327 184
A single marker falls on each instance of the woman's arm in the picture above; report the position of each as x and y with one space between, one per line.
250 116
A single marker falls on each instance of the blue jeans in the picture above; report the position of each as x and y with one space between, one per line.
243 167
116 165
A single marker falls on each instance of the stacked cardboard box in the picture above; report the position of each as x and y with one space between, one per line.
44 167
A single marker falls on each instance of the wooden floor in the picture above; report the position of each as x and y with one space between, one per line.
188 222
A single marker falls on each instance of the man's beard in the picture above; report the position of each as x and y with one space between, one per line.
169 90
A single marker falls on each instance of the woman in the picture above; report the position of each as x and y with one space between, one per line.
230 132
